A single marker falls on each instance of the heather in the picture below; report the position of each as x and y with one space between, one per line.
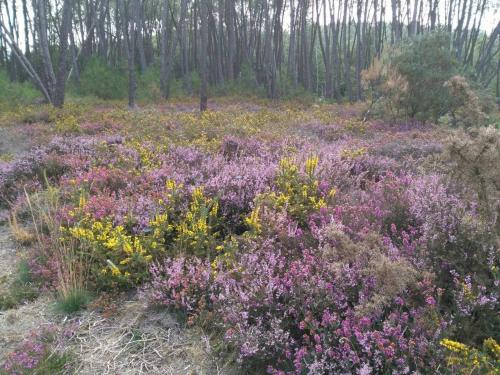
303 240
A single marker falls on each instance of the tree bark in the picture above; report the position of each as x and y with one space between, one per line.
63 48
203 56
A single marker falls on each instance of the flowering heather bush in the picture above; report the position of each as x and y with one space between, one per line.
36 354
312 311
315 243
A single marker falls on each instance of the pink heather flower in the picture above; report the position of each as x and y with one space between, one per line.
365 370
302 325
399 301
430 300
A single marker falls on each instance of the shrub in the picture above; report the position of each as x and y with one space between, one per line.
426 63
465 107
342 307
116 258
99 79
462 359
148 85
299 194
386 89
36 355
193 232
473 156
460 248
410 82
15 93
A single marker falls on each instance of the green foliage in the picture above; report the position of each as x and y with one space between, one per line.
53 364
148 85
101 80
73 301
15 93
465 107
244 85
288 90
426 64
21 289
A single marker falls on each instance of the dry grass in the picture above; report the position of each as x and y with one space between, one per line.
72 264
19 233
140 341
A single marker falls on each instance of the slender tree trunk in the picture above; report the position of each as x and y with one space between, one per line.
184 47
50 77
129 47
359 57
63 48
203 56
164 76
139 28
231 39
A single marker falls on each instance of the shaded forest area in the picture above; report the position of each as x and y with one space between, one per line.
276 48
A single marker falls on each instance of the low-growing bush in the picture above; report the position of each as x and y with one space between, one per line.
37 355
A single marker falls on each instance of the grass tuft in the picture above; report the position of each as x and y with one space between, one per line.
73 301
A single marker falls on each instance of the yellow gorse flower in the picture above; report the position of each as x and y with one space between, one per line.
298 194
464 359
454 346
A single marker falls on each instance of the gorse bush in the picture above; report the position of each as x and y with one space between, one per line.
465 107
117 258
463 359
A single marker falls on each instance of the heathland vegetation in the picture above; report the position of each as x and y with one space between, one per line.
228 187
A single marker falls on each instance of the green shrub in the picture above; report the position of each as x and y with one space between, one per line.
101 80
465 106
244 85
15 93
426 64
411 81
148 85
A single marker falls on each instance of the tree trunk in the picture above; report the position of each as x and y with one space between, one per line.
63 48
204 56
164 76
50 77
129 47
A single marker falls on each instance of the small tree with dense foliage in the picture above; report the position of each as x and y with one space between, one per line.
426 63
